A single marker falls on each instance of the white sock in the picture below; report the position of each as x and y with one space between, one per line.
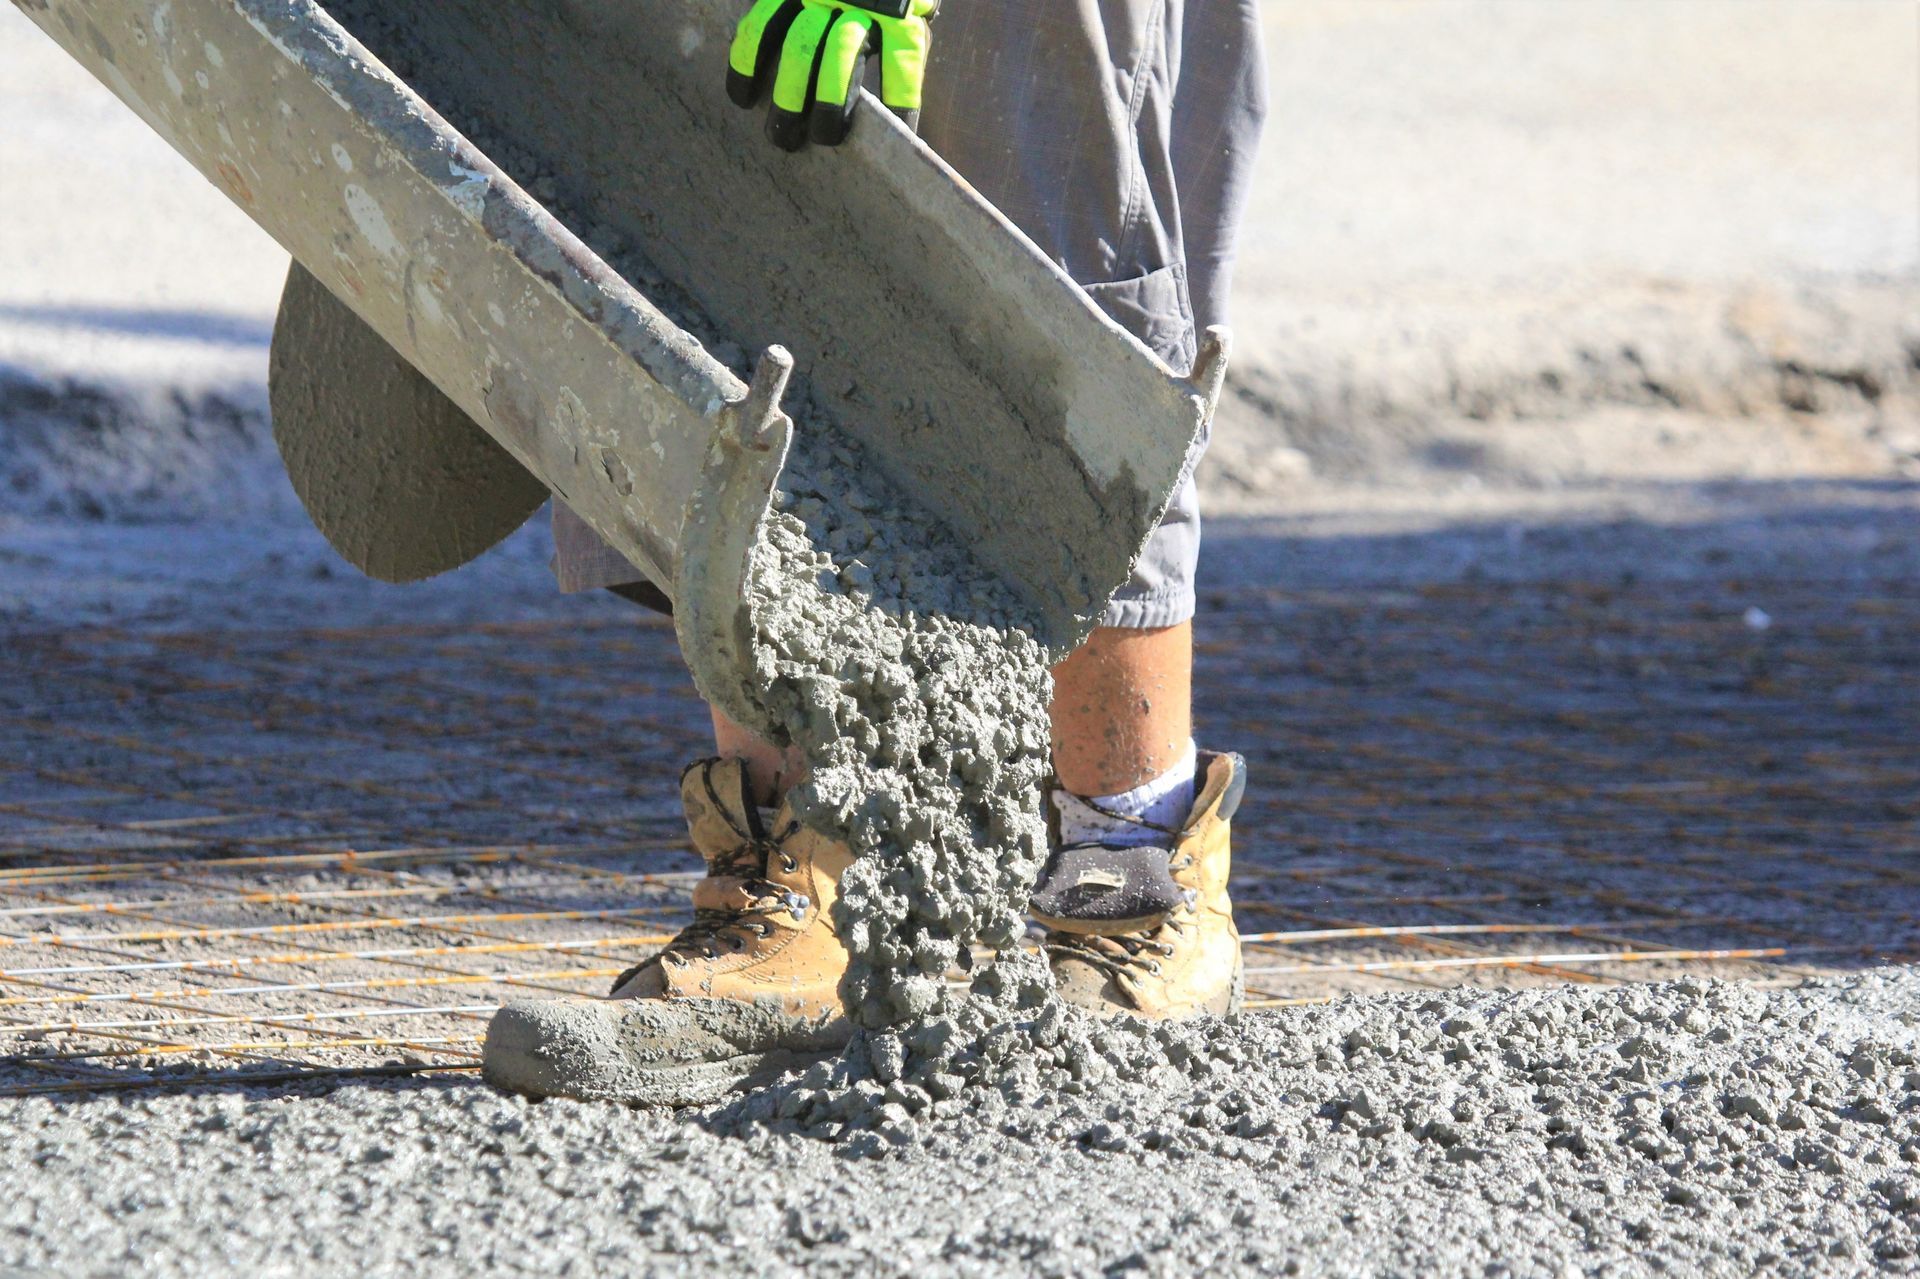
1165 801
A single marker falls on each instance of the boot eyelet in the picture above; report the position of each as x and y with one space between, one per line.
788 863
1154 968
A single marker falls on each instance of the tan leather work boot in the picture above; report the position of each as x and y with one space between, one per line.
750 988
1150 932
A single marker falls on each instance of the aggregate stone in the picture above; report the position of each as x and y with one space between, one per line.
1790 1144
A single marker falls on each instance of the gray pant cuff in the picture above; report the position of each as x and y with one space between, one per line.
1150 613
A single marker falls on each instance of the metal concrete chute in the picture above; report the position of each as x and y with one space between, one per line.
391 146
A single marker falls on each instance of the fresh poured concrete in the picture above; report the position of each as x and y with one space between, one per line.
1695 1129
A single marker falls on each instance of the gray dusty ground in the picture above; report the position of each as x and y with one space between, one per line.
1692 1129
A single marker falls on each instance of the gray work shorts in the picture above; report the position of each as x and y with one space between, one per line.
1120 136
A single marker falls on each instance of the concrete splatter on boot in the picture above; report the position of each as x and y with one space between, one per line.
747 990
1149 931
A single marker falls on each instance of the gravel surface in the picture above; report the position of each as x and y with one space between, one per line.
1696 1129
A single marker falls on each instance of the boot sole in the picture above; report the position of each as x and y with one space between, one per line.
649 1053
1230 1002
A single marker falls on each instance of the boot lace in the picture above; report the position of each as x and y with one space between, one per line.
1118 954
1121 952
713 929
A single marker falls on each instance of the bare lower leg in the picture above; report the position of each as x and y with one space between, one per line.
770 770
1123 708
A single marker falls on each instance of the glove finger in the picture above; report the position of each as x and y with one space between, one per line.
755 50
843 64
793 83
904 43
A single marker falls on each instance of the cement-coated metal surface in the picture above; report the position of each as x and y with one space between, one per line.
921 320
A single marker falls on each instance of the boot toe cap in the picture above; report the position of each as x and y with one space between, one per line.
556 1048
665 1052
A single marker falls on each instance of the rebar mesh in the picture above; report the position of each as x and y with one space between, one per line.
273 855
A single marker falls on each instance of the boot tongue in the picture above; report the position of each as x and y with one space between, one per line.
725 827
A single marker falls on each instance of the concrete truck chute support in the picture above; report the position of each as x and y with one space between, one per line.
917 317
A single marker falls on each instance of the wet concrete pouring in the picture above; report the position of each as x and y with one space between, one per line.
1570 761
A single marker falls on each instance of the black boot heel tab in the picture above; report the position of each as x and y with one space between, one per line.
1097 887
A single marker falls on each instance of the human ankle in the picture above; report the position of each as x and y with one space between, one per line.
1142 815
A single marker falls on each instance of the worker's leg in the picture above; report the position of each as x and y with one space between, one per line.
771 772
762 938
1134 896
1144 217
1122 708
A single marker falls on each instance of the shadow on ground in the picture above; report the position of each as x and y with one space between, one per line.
223 327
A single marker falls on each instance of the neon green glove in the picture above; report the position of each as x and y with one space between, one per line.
812 54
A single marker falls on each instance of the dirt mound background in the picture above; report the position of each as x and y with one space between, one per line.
1494 244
